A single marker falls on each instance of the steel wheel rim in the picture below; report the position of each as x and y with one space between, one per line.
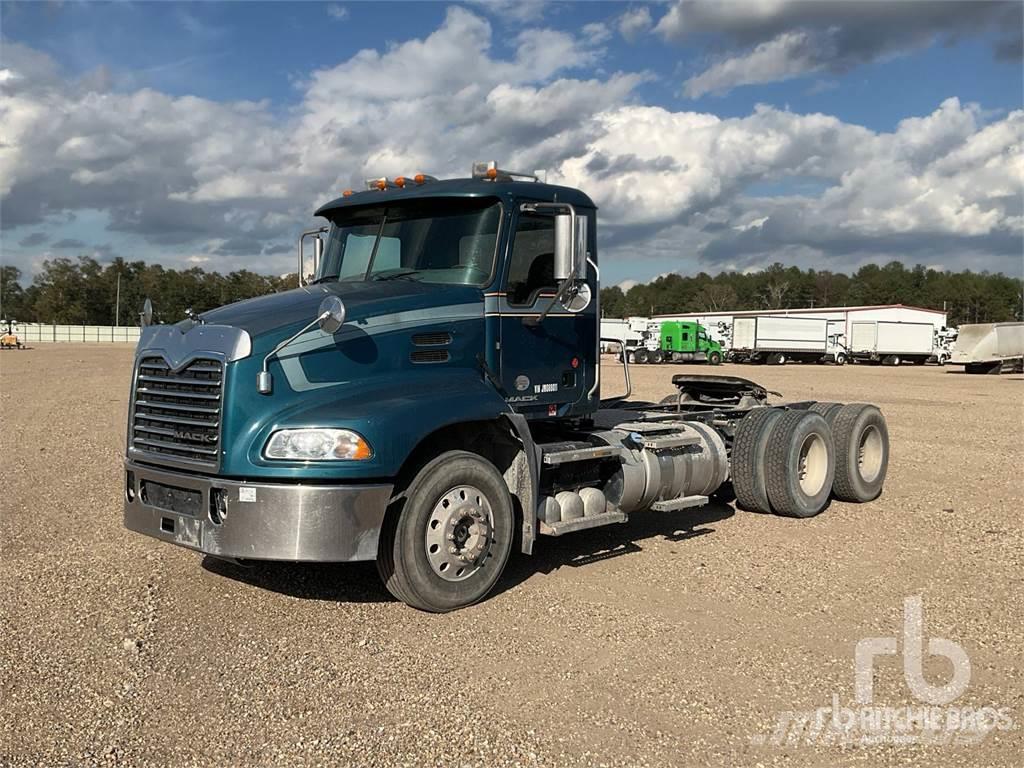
869 454
813 465
459 533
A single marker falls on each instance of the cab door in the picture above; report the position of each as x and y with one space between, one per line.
546 367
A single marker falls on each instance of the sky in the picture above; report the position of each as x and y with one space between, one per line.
712 135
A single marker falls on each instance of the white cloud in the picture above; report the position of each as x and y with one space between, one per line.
515 11
596 33
230 179
337 12
635 22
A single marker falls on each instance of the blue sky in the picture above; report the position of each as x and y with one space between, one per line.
727 113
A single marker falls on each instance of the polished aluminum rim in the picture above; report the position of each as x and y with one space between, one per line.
869 454
813 467
459 533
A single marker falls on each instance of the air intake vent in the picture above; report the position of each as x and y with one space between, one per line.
430 356
432 339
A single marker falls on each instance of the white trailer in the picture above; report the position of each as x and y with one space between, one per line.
990 347
777 340
891 343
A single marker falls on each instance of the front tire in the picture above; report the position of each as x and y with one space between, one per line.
715 358
446 541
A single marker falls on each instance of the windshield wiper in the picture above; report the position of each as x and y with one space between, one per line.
324 279
399 275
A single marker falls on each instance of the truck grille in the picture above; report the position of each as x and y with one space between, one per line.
176 415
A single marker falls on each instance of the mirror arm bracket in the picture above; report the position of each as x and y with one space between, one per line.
264 381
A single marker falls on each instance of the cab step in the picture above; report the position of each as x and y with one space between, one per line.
683 502
581 523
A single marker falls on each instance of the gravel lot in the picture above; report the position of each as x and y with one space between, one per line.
676 639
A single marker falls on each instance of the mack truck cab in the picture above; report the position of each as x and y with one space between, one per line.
430 398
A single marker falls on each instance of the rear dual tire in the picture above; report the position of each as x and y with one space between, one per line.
800 464
862 452
792 462
748 459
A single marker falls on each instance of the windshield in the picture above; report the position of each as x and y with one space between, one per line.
441 240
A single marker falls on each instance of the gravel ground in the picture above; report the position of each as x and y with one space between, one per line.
676 639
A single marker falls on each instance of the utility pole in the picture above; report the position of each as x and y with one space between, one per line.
117 303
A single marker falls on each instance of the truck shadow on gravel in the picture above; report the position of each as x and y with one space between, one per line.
579 550
359 583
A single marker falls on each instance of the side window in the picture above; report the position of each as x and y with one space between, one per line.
685 335
532 267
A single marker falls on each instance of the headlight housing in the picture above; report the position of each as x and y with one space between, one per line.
317 445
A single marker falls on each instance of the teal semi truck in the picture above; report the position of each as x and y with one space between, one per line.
432 399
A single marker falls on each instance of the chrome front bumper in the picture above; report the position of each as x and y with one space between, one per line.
258 521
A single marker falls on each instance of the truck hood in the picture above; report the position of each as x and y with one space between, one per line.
363 300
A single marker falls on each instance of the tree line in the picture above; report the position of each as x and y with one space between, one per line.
967 297
83 291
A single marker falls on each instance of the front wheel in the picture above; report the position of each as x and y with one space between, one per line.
840 359
445 542
715 358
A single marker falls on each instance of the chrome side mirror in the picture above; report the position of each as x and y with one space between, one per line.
146 317
318 251
331 315
564 256
570 247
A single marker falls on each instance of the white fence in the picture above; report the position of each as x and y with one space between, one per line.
42 333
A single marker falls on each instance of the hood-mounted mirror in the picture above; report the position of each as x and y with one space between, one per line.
330 317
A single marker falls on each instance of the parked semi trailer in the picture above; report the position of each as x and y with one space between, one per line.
432 399
990 348
777 340
892 343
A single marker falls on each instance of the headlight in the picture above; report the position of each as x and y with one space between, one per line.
317 445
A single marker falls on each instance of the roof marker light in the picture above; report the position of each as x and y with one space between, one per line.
489 171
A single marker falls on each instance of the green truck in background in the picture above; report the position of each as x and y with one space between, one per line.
678 341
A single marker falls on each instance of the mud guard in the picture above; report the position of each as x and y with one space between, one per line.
523 479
